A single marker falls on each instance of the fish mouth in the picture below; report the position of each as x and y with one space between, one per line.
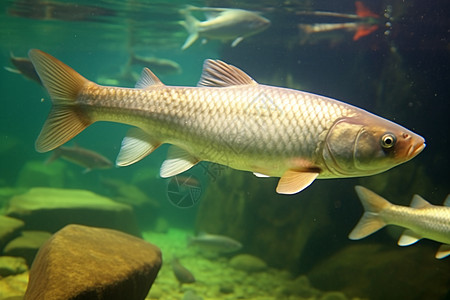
415 149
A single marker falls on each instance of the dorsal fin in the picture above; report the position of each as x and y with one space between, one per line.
216 73
419 202
447 201
148 79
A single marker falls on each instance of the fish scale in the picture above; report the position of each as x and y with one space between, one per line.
228 119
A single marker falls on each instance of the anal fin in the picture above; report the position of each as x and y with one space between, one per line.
408 237
178 160
135 146
443 251
295 181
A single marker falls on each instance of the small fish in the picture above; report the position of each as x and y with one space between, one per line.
365 22
159 65
81 156
421 220
23 66
228 119
182 274
222 24
214 243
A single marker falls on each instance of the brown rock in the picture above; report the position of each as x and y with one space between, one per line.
80 262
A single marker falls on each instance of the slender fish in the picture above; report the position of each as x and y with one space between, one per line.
421 220
222 24
214 242
228 119
83 157
182 274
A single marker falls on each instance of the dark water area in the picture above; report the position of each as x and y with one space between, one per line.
400 71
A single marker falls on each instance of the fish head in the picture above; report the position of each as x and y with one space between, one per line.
258 23
248 22
367 145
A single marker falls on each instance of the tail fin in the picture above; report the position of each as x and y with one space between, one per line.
371 221
191 25
363 11
364 30
66 118
55 155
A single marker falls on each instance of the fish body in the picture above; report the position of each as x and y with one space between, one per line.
228 119
222 24
215 243
182 274
81 156
363 23
421 220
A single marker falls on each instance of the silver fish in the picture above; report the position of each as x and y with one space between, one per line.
214 242
421 220
223 24
228 119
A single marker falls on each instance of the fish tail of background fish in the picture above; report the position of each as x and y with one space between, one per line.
56 153
191 24
66 118
371 221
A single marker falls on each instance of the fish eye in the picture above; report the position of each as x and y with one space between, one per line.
388 140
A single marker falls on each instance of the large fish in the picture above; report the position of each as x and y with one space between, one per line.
421 220
228 119
223 24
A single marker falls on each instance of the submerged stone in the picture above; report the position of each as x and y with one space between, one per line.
51 209
98 263
26 245
9 228
13 287
38 173
10 265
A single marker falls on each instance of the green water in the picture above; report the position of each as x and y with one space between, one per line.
400 72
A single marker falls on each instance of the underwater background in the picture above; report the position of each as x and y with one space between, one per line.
299 242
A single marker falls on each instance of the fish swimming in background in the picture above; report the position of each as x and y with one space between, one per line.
214 243
83 157
159 65
421 220
182 274
222 24
365 22
228 119
23 66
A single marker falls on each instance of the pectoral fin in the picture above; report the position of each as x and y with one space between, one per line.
408 237
178 160
135 146
444 251
237 41
295 181
260 175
